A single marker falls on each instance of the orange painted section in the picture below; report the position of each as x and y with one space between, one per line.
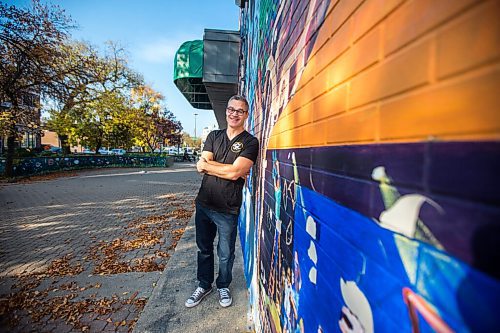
367 83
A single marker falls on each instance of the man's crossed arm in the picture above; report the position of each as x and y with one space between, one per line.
239 169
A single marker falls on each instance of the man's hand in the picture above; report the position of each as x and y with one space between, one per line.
200 165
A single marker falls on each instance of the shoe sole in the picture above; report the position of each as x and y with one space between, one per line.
225 305
201 299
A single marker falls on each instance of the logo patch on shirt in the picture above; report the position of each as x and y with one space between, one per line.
237 147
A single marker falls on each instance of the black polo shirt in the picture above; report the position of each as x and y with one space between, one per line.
223 195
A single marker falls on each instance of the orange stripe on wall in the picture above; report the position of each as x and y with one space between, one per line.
465 107
363 98
464 110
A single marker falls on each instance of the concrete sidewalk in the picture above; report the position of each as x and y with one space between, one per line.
165 310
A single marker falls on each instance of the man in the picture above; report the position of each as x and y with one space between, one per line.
185 157
225 160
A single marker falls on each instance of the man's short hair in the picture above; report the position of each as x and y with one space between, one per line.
239 98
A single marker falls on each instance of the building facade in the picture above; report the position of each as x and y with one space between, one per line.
29 133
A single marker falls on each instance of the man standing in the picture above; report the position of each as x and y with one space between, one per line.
225 160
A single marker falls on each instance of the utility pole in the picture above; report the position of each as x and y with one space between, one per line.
195 126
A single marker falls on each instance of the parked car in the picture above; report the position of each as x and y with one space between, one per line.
164 150
88 151
175 151
135 150
103 151
117 151
56 150
48 148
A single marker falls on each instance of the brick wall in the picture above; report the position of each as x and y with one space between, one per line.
413 69
379 127
50 138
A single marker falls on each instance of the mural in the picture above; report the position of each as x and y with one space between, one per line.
368 212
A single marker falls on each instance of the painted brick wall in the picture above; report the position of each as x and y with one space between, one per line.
375 202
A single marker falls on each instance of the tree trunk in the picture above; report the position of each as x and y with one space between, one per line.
9 161
64 144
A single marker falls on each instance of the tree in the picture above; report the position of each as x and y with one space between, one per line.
156 124
72 89
190 141
29 48
90 79
103 122
170 129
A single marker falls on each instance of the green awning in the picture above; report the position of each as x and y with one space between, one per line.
188 74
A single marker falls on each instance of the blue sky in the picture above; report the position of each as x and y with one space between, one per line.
152 31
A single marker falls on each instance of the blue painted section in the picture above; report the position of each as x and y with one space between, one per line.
467 226
355 248
352 245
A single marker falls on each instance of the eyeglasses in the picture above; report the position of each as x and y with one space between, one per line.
239 112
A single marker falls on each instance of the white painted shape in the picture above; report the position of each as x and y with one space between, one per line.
313 275
278 226
379 174
311 227
357 302
402 217
312 253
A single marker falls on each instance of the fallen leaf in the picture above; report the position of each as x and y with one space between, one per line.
134 295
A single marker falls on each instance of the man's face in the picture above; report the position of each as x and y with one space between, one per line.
236 113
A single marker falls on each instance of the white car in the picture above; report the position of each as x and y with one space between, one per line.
103 151
175 151
88 151
117 151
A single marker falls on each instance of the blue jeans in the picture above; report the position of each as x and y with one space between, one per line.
208 223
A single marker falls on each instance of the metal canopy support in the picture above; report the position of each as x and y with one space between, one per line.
221 50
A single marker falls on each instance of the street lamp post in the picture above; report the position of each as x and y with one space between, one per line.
195 126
